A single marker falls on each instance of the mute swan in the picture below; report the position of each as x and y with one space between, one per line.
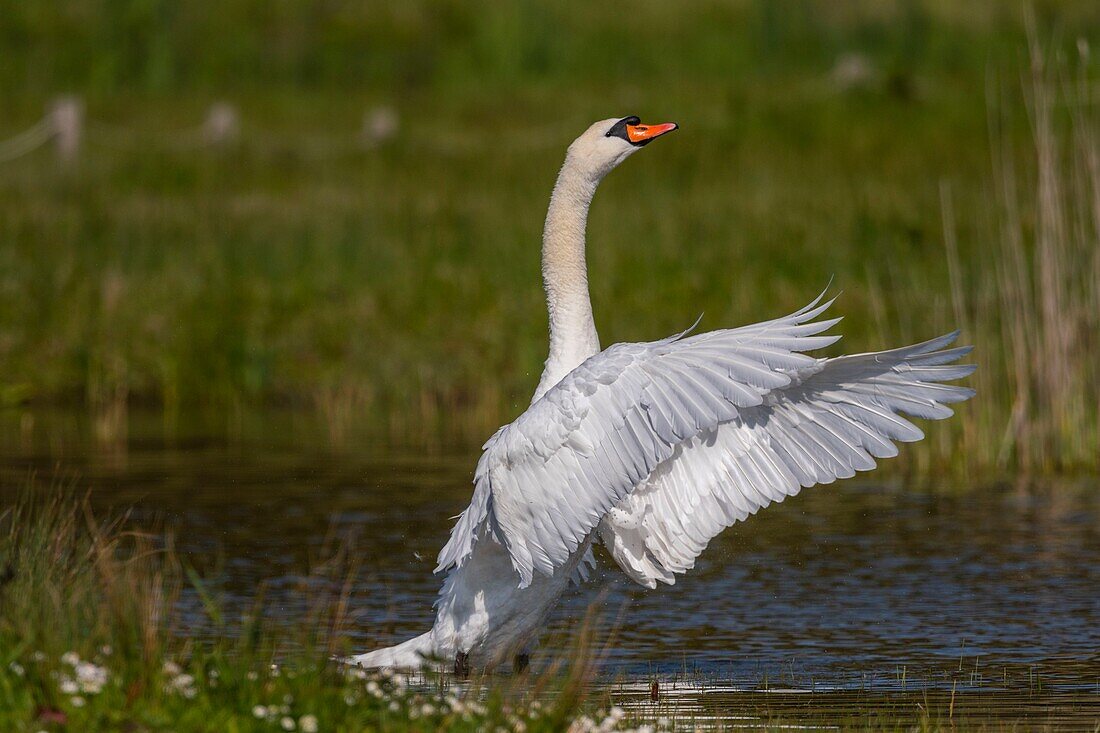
653 448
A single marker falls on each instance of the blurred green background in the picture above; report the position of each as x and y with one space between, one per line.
352 234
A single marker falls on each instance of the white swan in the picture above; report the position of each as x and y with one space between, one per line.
654 448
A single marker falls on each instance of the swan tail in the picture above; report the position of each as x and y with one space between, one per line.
411 654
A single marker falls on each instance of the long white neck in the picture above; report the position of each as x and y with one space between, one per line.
573 335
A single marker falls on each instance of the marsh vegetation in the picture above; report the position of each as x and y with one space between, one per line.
940 165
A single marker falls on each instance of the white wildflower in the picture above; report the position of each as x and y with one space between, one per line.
581 725
287 723
252 676
70 658
77 701
90 677
259 711
427 710
350 700
106 650
17 669
308 723
38 657
68 686
171 669
183 684
374 689
394 706
274 670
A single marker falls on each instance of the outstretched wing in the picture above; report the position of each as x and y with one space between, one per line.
545 481
834 419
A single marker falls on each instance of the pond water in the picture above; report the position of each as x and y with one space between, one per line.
858 587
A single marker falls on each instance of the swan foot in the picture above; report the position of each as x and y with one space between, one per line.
520 663
462 665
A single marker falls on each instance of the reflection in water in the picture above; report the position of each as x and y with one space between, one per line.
853 586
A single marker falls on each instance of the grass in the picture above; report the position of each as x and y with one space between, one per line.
392 291
114 653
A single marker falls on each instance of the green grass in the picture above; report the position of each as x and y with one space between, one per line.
394 291
92 638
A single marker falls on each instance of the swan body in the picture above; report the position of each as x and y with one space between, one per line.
653 448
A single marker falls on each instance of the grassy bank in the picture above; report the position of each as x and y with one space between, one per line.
92 638
392 288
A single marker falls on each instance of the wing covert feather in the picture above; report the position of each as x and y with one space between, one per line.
544 482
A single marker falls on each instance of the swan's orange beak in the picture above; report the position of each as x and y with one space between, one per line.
642 134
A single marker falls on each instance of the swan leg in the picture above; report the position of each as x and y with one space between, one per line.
462 665
521 662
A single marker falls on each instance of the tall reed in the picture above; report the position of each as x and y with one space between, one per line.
1046 278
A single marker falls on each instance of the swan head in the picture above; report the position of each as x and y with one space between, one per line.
609 142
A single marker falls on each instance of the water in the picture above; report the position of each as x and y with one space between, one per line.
859 587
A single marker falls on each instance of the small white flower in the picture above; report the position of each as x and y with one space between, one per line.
394 706
274 670
171 669
70 658
77 701
259 711
308 723
106 650
287 723
184 685
349 699
17 669
427 710
374 689
90 677
253 676
68 686
38 657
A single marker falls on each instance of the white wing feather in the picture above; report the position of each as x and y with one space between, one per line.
836 418
545 481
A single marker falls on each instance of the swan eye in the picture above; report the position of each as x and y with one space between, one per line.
619 128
